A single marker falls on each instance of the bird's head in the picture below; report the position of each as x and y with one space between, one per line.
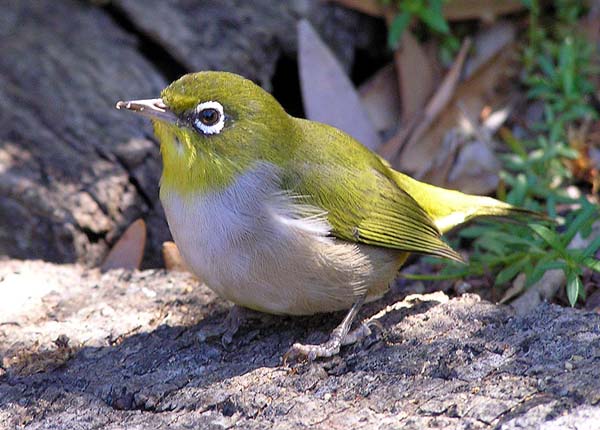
214 125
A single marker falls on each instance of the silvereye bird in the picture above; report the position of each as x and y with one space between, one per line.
288 216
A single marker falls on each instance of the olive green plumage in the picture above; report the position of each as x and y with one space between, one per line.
289 216
365 199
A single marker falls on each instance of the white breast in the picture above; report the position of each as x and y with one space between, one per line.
263 249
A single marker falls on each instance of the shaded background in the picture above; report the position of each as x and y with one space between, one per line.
74 172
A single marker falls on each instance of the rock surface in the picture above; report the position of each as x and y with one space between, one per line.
81 349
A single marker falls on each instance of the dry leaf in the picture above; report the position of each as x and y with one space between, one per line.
516 289
369 7
542 291
390 148
466 160
416 129
380 97
592 303
590 24
327 92
487 44
584 140
440 164
485 10
475 170
454 10
415 76
469 99
174 262
127 253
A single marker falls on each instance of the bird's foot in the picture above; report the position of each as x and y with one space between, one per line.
333 345
340 336
236 317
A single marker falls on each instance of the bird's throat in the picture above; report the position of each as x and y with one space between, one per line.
189 167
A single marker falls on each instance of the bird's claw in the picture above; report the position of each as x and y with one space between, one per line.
332 346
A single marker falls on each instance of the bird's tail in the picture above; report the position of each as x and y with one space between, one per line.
449 208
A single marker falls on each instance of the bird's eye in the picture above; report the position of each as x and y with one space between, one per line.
209 118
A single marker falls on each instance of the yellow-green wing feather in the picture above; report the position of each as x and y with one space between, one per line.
450 208
364 203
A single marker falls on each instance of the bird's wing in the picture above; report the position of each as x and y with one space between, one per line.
363 202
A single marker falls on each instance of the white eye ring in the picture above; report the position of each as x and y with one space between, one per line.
210 128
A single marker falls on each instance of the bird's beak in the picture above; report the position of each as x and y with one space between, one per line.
152 108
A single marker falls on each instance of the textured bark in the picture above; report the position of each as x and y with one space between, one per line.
74 172
87 350
245 37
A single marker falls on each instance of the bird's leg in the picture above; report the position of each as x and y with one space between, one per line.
231 324
341 335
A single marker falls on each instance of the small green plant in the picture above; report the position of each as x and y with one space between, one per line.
427 11
557 72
